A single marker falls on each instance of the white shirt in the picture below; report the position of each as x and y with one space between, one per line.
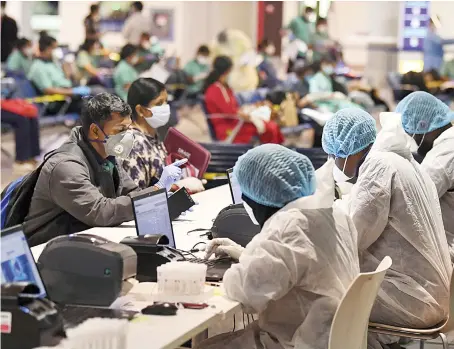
135 25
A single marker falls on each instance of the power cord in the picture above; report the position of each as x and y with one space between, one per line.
198 230
234 323
194 249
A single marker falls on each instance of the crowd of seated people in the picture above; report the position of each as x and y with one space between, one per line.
311 246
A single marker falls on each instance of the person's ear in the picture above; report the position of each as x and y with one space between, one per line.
94 129
140 111
143 112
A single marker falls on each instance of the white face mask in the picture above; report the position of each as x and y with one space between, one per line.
134 60
312 17
28 51
328 69
339 175
161 115
202 60
57 54
119 145
250 213
146 45
322 29
270 50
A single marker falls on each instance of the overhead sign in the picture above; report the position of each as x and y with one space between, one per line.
415 24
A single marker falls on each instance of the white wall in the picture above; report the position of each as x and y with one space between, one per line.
203 20
196 23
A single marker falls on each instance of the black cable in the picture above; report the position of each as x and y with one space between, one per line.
184 253
244 321
198 229
248 319
199 243
234 324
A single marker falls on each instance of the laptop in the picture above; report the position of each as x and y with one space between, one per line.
151 214
18 265
235 189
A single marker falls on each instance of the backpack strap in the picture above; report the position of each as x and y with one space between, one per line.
5 200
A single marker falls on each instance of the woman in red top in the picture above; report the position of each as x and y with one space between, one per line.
220 99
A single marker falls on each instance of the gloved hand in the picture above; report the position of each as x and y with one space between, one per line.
224 246
170 174
81 90
192 184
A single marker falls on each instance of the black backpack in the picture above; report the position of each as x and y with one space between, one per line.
17 196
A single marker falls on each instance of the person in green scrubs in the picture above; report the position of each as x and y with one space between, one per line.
147 56
302 27
125 72
321 41
47 75
198 69
20 60
447 71
88 59
48 78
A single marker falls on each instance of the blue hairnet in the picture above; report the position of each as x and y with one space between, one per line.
348 132
421 113
273 175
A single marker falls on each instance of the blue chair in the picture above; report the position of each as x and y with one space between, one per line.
223 157
26 90
400 91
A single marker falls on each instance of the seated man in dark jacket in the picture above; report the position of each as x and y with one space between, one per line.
82 185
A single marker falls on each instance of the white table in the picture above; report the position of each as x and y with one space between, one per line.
169 332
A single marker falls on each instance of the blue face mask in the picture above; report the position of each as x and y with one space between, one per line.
328 69
308 78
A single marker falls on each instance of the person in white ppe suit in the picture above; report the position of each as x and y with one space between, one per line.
395 208
296 270
429 121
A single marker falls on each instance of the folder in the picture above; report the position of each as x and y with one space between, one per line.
179 146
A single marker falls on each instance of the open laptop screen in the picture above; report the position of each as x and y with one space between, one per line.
17 260
151 213
234 187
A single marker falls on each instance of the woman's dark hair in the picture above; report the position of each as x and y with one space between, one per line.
415 79
46 41
142 92
221 65
203 50
88 44
263 44
22 42
138 5
127 51
434 74
94 8
321 21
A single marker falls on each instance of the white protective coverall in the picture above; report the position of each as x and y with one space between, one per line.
439 164
396 211
294 274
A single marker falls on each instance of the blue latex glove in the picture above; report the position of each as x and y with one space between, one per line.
170 174
82 90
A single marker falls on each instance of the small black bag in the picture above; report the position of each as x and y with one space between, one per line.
234 223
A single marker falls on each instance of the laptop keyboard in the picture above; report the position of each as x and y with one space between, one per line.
76 315
210 262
